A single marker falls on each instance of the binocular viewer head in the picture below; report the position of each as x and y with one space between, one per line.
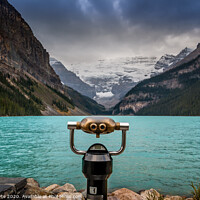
98 125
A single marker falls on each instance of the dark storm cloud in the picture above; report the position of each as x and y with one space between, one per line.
165 14
88 29
105 7
50 13
47 9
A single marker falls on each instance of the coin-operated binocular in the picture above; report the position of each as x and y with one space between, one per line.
97 160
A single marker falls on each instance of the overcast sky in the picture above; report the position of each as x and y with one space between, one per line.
86 30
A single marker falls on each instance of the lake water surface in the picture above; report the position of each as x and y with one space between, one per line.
162 152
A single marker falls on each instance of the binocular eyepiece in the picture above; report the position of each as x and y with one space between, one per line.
98 125
94 127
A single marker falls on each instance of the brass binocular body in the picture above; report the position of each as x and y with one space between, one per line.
98 126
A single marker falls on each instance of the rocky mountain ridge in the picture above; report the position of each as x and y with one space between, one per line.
164 62
167 61
20 49
163 88
71 79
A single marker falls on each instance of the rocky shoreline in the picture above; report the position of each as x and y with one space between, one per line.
29 188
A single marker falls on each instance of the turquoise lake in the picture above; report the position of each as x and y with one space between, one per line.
161 153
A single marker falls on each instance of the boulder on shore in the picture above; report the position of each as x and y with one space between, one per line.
52 187
52 192
32 182
151 194
173 198
126 194
35 191
30 189
65 188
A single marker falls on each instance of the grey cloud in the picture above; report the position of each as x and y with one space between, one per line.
74 30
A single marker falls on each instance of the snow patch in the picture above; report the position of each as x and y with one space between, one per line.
104 94
104 74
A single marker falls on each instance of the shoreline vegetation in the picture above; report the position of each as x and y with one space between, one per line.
30 189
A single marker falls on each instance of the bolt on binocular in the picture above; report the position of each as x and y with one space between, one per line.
97 160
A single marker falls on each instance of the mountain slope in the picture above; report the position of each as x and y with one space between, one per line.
70 79
85 103
184 102
28 84
13 102
22 94
163 94
20 49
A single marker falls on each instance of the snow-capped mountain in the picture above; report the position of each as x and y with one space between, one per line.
113 78
183 54
108 80
167 61
174 92
72 80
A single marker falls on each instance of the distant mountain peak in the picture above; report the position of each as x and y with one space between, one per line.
184 53
164 61
167 61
